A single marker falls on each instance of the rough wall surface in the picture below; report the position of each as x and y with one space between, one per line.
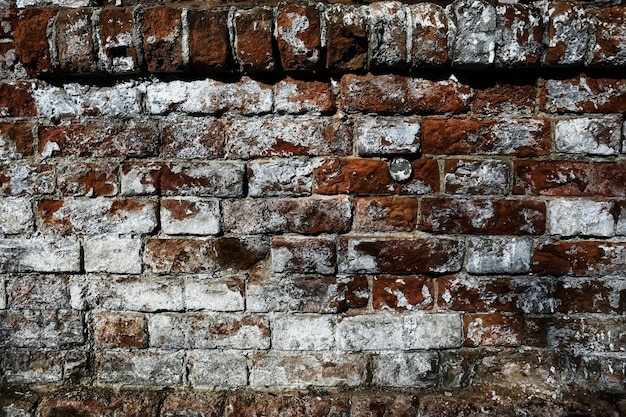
378 209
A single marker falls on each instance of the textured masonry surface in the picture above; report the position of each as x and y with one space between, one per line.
378 209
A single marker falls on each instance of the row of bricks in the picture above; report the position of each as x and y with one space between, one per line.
351 254
383 94
292 293
382 35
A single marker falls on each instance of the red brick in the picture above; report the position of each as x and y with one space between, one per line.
133 140
80 178
570 178
579 258
391 292
493 330
371 176
567 33
472 177
118 50
430 35
16 141
294 96
471 294
120 330
140 178
209 41
31 41
74 37
189 403
505 99
16 100
584 95
304 255
396 94
99 402
203 179
493 217
162 39
346 37
246 404
471 136
521 31
299 37
385 214
193 139
610 36
306 216
185 255
254 41
19 179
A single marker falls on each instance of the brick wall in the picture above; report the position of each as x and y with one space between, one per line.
377 209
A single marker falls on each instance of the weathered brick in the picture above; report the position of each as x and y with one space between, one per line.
208 331
379 136
37 292
609 37
495 217
379 214
301 370
383 404
287 136
474 43
26 178
476 177
250 403
567 33
298 33
217 369
29 366
209 41
407 369
117 43
130 140
396 94
188 255
140 178
202 179
569 178
620 227
591 295
579 258
586 135
16 99
31 41
518 35
293 96
400 255
120 330
78 178
401 293
209 96
74 39
306 294
509 100
162 39
362 176
202 404
580 217
254 42
20 402
584 95
471 136
112 254
498 255
214 294
346 37
303 332
304 255
493 330
602 372
40 255
16 141
190 216
91 401
430 35
141 368
388 35
3 294
280 178
196 138
16 216
96 216
41 328
306 216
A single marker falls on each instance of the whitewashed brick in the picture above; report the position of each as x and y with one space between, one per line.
405 369
433 331
150 367
37 292
580 217
475 40
16 216
494 255
380 136
30 366
620 228
3 294
41 328
113 255
139 178
371 332
214 294
388 34
190 216
589 135
280 178
303 332
215 369
40 255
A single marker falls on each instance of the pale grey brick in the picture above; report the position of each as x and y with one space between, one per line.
41 328
30 366
498 254
380 136
303 332
371 332
432 331
16 216
214 294
388 35
217 369
152 367
570 217
190 216
406 369
589 135
280 178
112 254
475 40
38 292
40 254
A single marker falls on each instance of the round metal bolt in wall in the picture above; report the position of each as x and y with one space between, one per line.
400 170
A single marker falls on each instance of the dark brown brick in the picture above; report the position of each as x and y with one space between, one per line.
88 179
383 405
120 330
385 214
31 41
209 42
162 39
189 403
99 402
213 178
346 37
74 38
295 96
118 50
401 293
260 404
254 41
579 258
16 141
16 100
493 330
505 99
299 37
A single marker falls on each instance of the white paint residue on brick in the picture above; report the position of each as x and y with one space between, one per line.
576 217
586 135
